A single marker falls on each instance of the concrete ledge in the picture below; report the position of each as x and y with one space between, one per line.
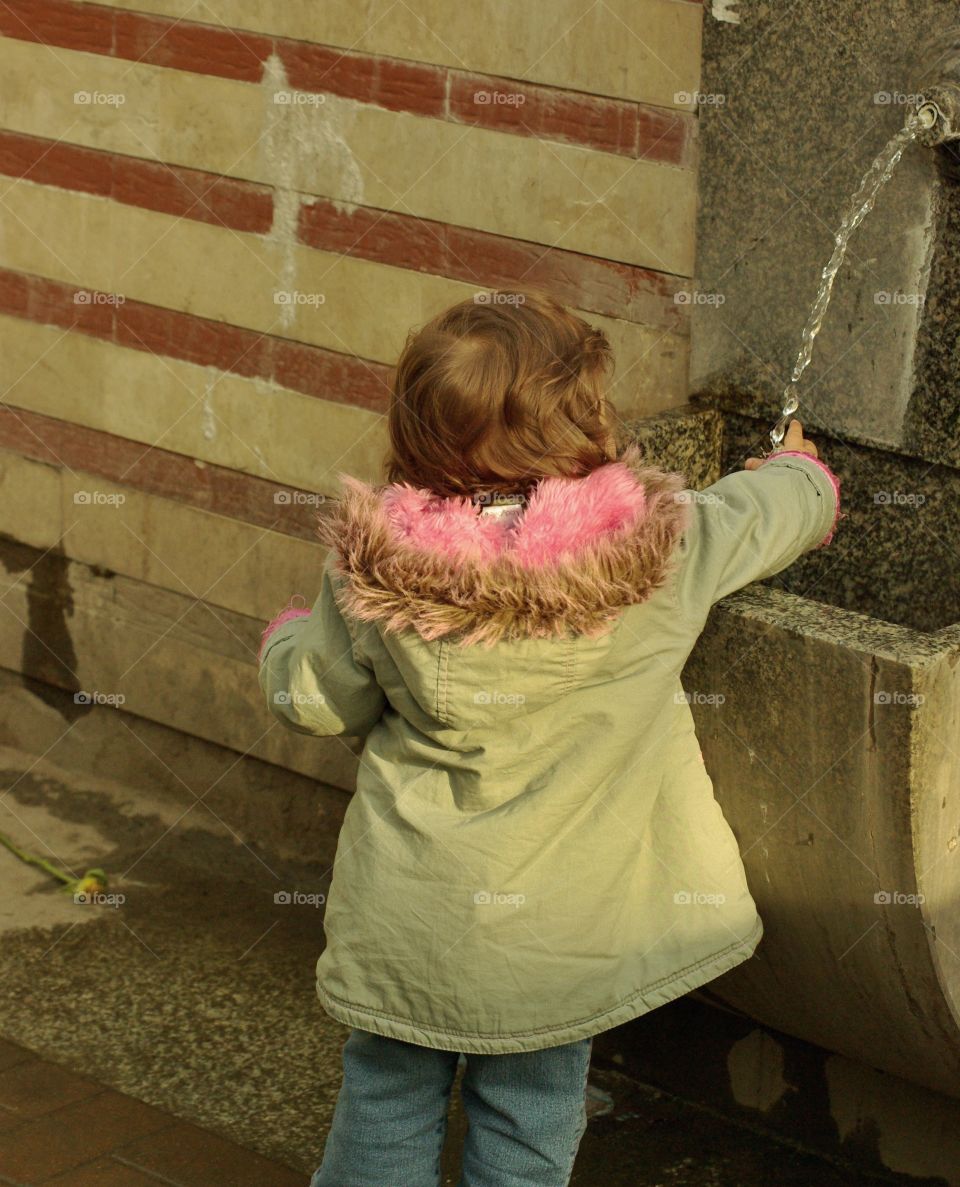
834 762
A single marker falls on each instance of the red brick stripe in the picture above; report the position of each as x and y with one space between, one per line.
587 282
619 126
156 471
85 27
188 193
400 240
184 45
385 82
509 106
342 378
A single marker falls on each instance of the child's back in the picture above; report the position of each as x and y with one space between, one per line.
534 853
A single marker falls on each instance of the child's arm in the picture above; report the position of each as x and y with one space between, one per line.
754 523
314 676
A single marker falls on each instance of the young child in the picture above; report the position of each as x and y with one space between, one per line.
534 853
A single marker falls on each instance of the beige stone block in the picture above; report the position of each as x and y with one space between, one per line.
208 557
652 367
228 420
145 111
105 524
367 307
227 562
29 500
56 233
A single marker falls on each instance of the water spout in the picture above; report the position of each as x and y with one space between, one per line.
859 206
938 114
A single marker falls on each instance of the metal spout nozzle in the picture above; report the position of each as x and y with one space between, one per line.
938 115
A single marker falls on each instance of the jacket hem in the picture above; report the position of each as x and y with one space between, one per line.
642 1001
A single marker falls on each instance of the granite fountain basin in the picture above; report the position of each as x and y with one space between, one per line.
834 748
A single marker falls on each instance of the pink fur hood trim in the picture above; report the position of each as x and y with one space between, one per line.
583 549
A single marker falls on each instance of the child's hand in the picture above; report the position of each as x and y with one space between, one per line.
794 439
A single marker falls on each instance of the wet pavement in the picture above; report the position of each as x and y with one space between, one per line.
184 1023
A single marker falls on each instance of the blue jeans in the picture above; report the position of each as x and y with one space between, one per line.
526 1115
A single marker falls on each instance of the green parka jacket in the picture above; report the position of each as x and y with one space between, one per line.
534 852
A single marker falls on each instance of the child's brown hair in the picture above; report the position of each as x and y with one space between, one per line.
497 392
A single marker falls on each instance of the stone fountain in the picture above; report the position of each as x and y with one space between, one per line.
836 753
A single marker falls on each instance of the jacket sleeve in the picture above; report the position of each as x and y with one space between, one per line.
752 524
315 676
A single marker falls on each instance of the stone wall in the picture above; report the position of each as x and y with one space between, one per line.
219 223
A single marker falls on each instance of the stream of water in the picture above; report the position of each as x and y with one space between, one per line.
856 211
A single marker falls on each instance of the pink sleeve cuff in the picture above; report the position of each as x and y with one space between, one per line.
278 620
834 481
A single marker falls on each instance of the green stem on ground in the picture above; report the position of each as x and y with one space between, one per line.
93 881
